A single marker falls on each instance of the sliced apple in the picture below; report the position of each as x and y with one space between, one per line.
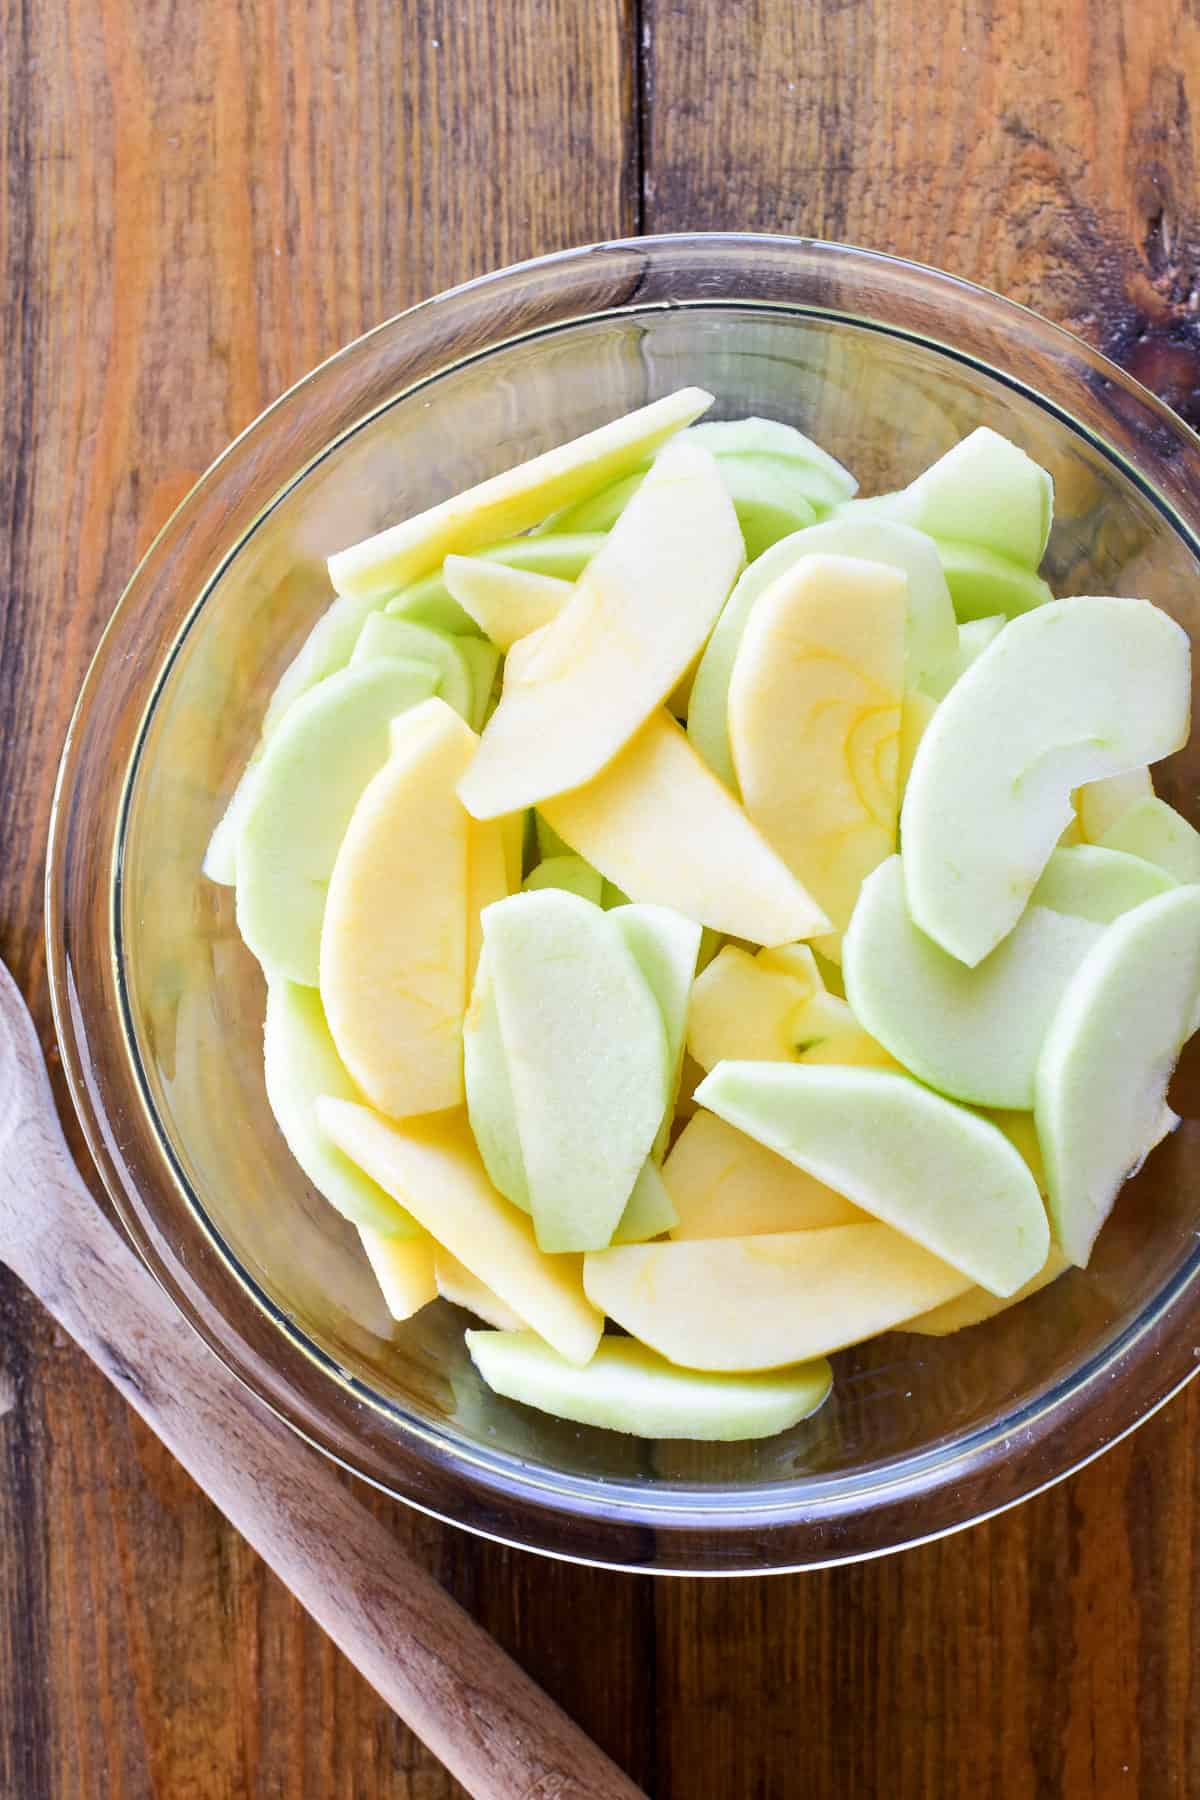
824 481
660 825
761 1302
506 603
384 636
982 583
743 1008
814 722
972 1033
1075 691
1099 804
487 881
1095 883
434 1164
936 1172
985 491
490 1106
511 502
1156 832
649 1211
393 958
915 713
1108 1057
931 633
665 946
301 1063
587 1060
725 1184
456 1283
483 665
429 602
312 772
404 1269
640 612
973 639
570 873
628 1388
976 1305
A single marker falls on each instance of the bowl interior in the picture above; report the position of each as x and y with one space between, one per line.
193 996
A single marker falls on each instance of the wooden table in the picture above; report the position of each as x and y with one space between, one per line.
197 203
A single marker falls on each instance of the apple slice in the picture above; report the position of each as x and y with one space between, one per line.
599 512
506 603
825 481
761 1302
660 825
743 1008
570 873
640 613
1156 832
936 1172
483 665
456 1283
1099 804
985 491
429 602
394 941
1094 883
513 501
982 583
301 1063
1075 691
973 639
628 1388
916 710
814 722
312 772
931 632
976 1305
434 1163
649 1211
974 1034
490 1106
665 946
587 1060
724 1184
487 881
404 1269
383 636
1108 1057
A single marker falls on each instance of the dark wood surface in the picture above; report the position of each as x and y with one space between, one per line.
196 204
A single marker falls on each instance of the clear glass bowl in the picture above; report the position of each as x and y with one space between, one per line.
159 1006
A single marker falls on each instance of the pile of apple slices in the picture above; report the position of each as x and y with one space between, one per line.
696 898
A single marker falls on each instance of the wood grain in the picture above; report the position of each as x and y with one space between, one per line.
196 204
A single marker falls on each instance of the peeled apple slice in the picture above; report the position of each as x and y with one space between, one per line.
744 1008
1156 832
383 636
583 685
301 1064
404 1269
1094 883
940 1174
511 502
505 603
628 1388
761 1302
985 491
490 1105
976 1305
393 957
483 663
1108 1057
307 785
825 480
487 881
982 583
650 1209
587 1060
814 722
931 634
974 1034
456 1283
973 639
429 601
660 825
1075 691
724 1184
1100 804
570 873
665 946
435 1165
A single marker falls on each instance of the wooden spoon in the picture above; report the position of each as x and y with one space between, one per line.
481 1715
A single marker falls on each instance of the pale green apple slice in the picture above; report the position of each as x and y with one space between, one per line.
769 497
649 1211
404 1269
1108 1056
660 826
570 873
628 1388
941 1175
504 602
974 1034
764 1301
931 632
511 502
973 639
302 1063
828 481
313 770
429 602
587 1060
548 841
665 946
1074 691
984 491
725 1184
1155 831
434 1164
384 636
1098 884
456 1283
490 1106
1099 804
582 685
598 512
483 663
982 583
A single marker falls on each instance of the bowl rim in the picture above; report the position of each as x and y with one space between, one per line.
617 1509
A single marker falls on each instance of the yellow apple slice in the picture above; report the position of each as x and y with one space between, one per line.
814 722
976 1305
506 603
1100 804
487 881
576 691
434 1164
915 713
404 1269
456 1283
512 502
659 824
761 1302
725 1184
394 939
773 1008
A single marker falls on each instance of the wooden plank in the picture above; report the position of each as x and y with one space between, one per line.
1046 150
196 205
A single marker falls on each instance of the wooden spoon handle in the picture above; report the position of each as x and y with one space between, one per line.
481 1715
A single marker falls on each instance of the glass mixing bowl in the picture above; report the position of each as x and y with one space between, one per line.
159 1006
